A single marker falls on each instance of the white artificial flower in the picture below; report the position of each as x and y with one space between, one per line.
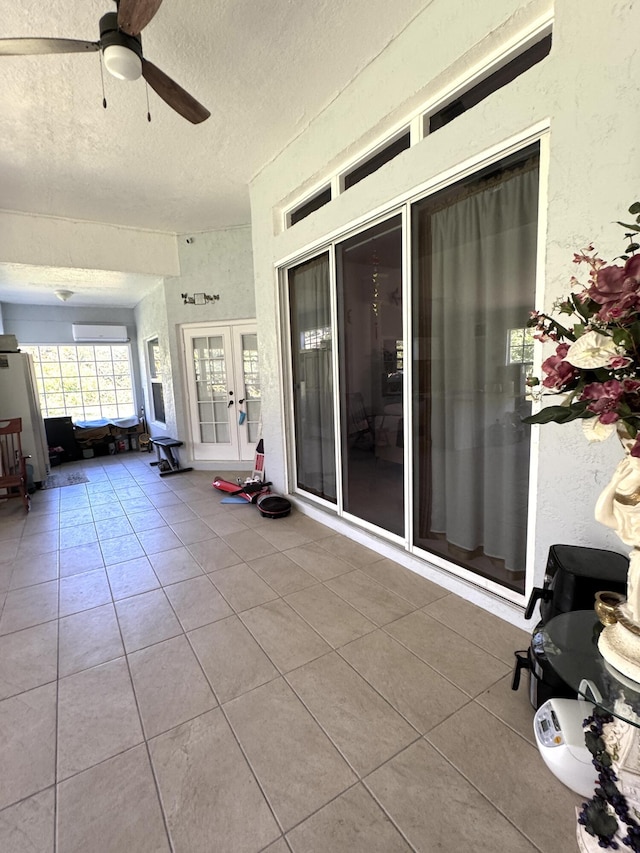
591 350
596 431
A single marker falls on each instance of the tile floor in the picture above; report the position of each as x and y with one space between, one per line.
181 675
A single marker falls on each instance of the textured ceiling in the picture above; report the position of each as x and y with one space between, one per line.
264 70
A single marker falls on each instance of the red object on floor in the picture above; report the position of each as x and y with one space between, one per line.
249 491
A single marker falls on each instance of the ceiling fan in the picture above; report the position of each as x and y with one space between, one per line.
121 47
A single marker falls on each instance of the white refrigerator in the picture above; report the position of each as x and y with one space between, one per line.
19 399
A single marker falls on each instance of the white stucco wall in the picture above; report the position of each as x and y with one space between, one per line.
218 262
584 90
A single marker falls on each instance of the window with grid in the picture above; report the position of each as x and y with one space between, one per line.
84 382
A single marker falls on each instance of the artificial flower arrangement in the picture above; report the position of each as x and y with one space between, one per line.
597 358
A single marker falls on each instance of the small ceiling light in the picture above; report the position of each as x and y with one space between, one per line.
121 62
63 295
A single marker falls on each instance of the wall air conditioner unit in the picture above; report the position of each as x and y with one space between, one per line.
87 333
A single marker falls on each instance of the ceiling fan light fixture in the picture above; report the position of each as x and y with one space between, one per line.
121 62
63 295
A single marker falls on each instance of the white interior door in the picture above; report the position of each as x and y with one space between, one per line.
224 390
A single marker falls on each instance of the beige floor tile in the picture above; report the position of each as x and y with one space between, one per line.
121 549
81 592
132 577
97 717
414 689
318 561
6 571
174 565
29 606
72 517
170 685
112 808
81 558
36 524
194 530
313 530
163 499
131 505
213 555
232 660
111 528
282 574
378 604
284 635
469 667
146 619
297 765
279 846
353 552
102 497
242 587
27 572
32 547
493 634
438 809
280 533
88 639
9 550
364 727
177 512
28 659
78 535
210 797
100 511
159 539
146 520
197 602
511 706
353 822
249 544
27 743
501 765
405 583
335 620
29 826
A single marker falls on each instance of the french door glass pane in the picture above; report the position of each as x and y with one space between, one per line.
369 279
252 388
210 371
474 260
312 354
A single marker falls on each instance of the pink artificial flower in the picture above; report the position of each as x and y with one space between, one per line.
559 372
617 289
635 450
618 362
605 397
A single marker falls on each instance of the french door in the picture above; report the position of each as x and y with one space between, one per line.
223 381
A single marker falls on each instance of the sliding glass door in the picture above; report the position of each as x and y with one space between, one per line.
371 358
474 263
312 369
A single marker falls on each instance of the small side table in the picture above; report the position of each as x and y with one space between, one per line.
570 642
167 460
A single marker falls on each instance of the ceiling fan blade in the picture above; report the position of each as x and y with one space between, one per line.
179 100
31 46
134 15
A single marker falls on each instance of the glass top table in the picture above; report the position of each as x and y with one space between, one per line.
570 643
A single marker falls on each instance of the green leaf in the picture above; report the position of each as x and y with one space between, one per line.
621 337
635 207
578 329
627 225
632 247
559 414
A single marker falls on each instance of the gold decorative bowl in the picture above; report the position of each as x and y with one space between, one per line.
606 604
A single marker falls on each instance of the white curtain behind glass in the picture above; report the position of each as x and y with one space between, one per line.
311 345
483 271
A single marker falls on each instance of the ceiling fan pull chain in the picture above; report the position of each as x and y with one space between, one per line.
146 88
104 99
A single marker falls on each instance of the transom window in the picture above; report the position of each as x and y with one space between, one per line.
84 382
